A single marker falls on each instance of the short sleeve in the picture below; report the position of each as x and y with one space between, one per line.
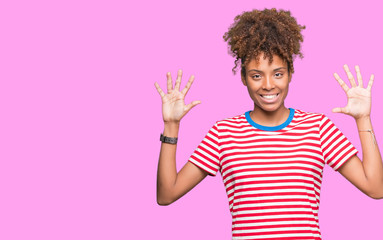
207 155
336 148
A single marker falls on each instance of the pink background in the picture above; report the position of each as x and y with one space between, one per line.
81 118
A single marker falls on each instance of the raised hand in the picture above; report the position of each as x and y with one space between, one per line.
358 98
173 104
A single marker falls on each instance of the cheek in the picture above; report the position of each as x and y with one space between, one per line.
254 85
252 93
286 89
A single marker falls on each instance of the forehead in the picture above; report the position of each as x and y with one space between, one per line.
264 63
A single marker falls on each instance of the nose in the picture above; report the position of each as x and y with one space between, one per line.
268 83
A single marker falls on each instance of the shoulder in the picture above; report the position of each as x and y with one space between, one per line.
319 119
241 118
301 115
235 121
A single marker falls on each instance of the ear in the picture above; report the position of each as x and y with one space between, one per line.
290 75
243 79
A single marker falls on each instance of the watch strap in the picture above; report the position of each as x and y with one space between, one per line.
168 139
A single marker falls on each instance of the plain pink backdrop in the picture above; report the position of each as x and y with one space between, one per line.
81 118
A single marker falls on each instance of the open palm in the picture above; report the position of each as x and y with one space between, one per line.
173 103
358 98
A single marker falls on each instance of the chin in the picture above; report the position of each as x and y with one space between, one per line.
271 108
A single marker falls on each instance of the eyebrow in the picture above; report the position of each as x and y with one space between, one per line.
256 70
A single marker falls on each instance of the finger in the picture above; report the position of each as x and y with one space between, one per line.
339 110
359 76
159 90
336 110
191 105
170 82
178 81
341 82
187 87
349 75
370 82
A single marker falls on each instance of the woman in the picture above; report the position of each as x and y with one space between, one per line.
271 158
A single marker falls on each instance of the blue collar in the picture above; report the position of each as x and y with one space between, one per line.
267 128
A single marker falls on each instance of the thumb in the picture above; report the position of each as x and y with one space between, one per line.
338 110
191 105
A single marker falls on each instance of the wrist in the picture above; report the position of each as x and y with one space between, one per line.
172 123
363 123
170 140
171 129
363 119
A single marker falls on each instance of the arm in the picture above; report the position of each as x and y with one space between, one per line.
366 175
170 184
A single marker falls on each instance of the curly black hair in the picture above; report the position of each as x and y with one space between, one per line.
269 31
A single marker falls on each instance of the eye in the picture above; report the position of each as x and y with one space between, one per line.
256 76
280 74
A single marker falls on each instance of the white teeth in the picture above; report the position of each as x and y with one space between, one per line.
269 96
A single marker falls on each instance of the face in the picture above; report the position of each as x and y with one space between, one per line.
267 84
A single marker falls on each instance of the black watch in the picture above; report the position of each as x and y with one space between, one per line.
168 139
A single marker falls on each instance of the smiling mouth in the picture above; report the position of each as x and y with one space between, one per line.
270 96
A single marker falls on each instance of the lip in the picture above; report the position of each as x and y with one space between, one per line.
269 100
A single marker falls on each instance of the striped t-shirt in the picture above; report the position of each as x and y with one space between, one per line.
273 175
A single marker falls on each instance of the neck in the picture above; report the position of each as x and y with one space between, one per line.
270 119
